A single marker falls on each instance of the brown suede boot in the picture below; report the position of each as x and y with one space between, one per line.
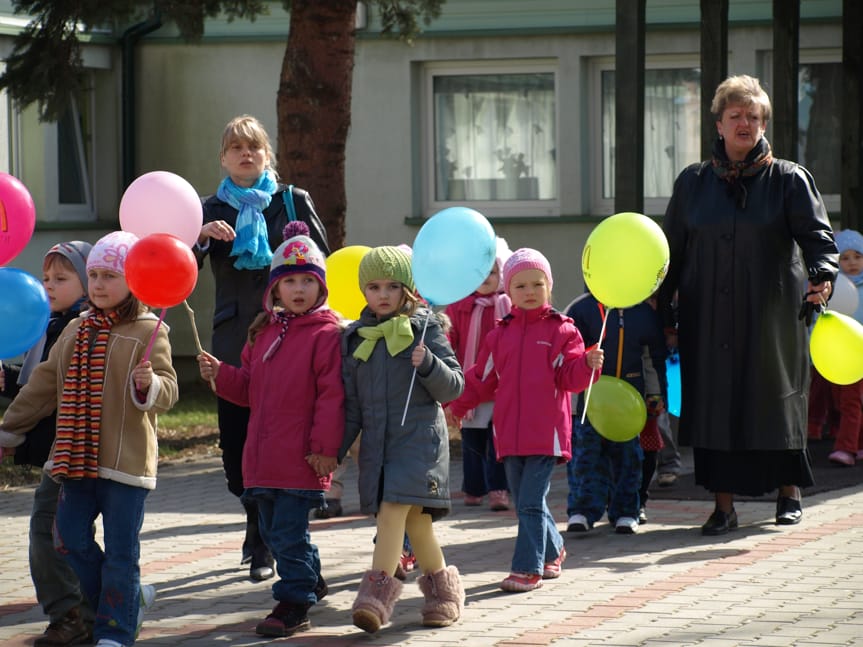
375 600
444 595
68 630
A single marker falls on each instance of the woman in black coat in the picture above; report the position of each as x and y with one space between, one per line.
746 230
243 224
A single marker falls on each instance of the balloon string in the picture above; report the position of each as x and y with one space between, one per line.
153 338
593 370
414 374
191 314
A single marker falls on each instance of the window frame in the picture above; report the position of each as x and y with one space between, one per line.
598 203
489 208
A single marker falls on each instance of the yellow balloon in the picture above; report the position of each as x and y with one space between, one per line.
836 347
343 283
625 259
616 409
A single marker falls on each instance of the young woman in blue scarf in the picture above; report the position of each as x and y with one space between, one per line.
243 224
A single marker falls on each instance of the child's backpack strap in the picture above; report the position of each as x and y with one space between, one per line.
288 197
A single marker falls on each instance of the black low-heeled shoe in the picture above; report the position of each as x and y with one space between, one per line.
788 511
720 523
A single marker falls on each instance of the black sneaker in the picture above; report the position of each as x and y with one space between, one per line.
286 619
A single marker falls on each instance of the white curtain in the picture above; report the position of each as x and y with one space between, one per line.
495 137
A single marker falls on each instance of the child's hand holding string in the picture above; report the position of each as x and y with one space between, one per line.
595 358
143 376
418 355
208 366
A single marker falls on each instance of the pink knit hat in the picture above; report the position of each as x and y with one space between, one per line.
109 252
525 259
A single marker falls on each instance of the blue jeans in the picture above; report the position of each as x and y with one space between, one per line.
283 519
603 474
539 541
56 584
481 470
111 579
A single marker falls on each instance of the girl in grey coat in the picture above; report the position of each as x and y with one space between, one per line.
403 468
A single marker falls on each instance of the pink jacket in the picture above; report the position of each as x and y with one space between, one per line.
296 399
460 314
529 365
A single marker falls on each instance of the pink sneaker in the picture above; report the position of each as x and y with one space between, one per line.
552 570
860 454
498 500
841 458
472 501
520 582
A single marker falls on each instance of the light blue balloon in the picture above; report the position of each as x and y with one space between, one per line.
24 311
672 374
453 254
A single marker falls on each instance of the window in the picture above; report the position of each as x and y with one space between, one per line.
493 138
672 132
819 111
819 146
68 156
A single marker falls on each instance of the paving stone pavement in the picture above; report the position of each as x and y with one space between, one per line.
761 585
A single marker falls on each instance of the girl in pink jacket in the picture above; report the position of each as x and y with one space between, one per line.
291 381
529 364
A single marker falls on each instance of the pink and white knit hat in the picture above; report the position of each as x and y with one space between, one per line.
109 252
525 259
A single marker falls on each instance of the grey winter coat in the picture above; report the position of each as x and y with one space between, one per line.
741 272
400 464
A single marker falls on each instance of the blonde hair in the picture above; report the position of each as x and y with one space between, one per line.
246 128
744 90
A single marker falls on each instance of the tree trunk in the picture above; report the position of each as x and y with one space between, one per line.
314 106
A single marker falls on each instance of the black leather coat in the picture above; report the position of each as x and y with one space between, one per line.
239 293
741 275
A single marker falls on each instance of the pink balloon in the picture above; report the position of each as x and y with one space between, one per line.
160 202
17 217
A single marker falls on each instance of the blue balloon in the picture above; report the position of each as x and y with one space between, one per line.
672 374
453 254
24 311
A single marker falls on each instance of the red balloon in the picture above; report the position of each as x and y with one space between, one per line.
161 270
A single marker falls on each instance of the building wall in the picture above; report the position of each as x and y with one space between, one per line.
186 93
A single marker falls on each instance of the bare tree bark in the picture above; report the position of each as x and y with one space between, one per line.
314 106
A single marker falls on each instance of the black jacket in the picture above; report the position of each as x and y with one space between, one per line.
239 293
638 326
741 275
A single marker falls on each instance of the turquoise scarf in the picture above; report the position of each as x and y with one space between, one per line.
252 245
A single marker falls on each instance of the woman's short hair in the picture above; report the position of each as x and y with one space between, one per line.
743 90
246 128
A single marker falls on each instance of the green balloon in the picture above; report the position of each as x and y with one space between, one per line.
625 259
615 409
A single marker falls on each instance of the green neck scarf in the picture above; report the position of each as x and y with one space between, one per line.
397 333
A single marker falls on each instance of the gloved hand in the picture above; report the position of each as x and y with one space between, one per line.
808 310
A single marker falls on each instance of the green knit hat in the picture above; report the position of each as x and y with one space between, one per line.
386 263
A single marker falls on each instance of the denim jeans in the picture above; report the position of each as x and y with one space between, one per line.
110 579
56 584
480 467
283 518
603 474
539 541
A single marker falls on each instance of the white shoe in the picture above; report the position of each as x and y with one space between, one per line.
148 596
578 523
626 526
104 642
